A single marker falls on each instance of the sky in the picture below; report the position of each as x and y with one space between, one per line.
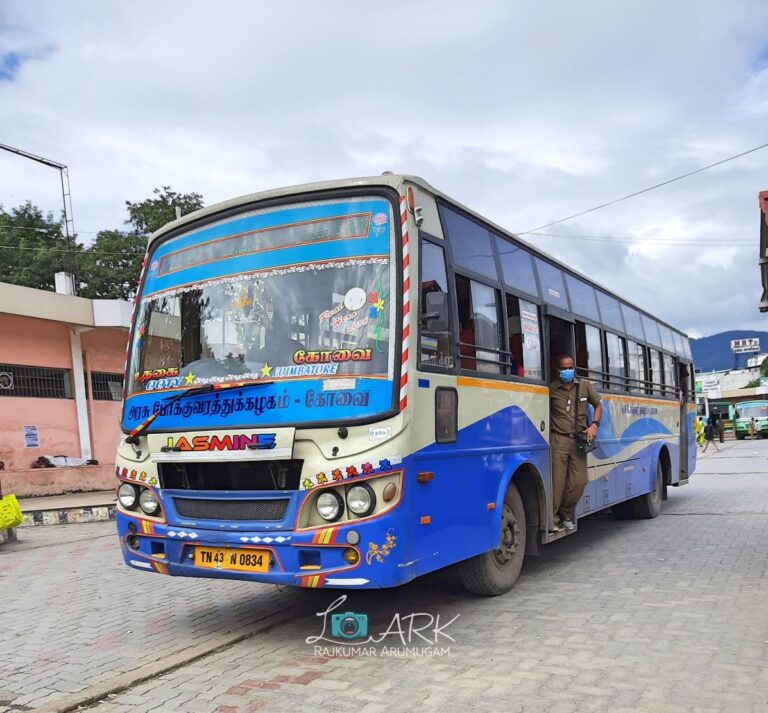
526 112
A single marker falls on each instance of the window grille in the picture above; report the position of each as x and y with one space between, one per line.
106 386
35 382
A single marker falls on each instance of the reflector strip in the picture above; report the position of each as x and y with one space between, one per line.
406 305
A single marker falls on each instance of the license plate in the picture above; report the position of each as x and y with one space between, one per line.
227 558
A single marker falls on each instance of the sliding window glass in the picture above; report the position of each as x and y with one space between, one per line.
479 326
654 373
524 338
670 382
616 367
434 344
636 366
589 352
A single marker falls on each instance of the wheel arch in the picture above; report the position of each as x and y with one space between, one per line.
530 485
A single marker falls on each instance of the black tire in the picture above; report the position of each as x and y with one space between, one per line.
493 573
623 511
739 436
649 505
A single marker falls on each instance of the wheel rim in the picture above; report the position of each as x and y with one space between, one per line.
510 537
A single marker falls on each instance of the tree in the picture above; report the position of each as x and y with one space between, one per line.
33 248
112 265
153 213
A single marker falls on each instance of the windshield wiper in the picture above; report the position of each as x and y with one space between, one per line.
133 436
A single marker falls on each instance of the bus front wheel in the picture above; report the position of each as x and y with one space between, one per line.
493 573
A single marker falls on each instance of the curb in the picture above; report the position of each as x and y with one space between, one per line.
93 695
66 516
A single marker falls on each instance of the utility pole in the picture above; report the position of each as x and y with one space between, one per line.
66 196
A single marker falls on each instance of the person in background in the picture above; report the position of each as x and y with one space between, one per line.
752 427
709 435
721 429
698 427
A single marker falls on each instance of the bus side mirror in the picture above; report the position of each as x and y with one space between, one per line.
436 311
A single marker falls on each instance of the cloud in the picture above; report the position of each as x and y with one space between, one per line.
524 112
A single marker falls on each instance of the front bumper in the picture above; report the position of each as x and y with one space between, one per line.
309 558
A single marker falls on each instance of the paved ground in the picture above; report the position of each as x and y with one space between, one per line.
663 615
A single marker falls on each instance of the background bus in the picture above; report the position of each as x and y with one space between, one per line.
345 385
744 414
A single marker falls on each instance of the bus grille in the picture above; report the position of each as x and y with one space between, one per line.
231 509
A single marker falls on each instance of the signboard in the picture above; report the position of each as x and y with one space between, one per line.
742 346
31 437
708 386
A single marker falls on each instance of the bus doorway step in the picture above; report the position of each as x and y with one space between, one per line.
552 536
682 481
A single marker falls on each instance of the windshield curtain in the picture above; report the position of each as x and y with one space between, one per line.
300 298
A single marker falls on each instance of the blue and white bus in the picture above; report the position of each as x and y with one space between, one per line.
345 385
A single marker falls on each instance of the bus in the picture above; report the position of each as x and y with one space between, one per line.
345 385
745 413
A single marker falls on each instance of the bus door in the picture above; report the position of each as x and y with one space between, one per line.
684 382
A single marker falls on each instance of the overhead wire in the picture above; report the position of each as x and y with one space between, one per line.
645 190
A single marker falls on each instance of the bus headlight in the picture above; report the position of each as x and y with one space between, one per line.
148 502
329 505
361 499
127 495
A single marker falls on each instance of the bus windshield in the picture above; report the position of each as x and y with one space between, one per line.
300 297
752 411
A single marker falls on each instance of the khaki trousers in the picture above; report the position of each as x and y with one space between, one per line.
569 476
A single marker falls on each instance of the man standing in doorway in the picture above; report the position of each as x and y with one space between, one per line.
568 400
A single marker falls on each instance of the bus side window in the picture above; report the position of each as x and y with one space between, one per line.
524 338
589 353
636 361
655 376
434 338
479 326
616 366
670 382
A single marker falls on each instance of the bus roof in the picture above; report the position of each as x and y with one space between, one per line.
391 180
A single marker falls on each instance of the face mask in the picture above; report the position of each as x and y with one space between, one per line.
567 375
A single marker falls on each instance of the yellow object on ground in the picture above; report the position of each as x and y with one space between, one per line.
10 512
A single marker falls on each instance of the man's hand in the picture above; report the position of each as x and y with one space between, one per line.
591 433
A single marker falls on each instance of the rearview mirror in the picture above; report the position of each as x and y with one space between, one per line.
436 311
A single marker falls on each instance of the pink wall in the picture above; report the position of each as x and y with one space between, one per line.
56 421
34 342
54 481
37 342
104 349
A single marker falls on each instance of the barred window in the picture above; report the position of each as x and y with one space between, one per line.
106 386
35 382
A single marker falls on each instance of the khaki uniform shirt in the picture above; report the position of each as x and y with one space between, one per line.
563 401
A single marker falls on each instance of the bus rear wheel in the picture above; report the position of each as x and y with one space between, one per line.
493 573
649 505
645 506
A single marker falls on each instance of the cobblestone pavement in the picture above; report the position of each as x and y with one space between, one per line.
660 615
